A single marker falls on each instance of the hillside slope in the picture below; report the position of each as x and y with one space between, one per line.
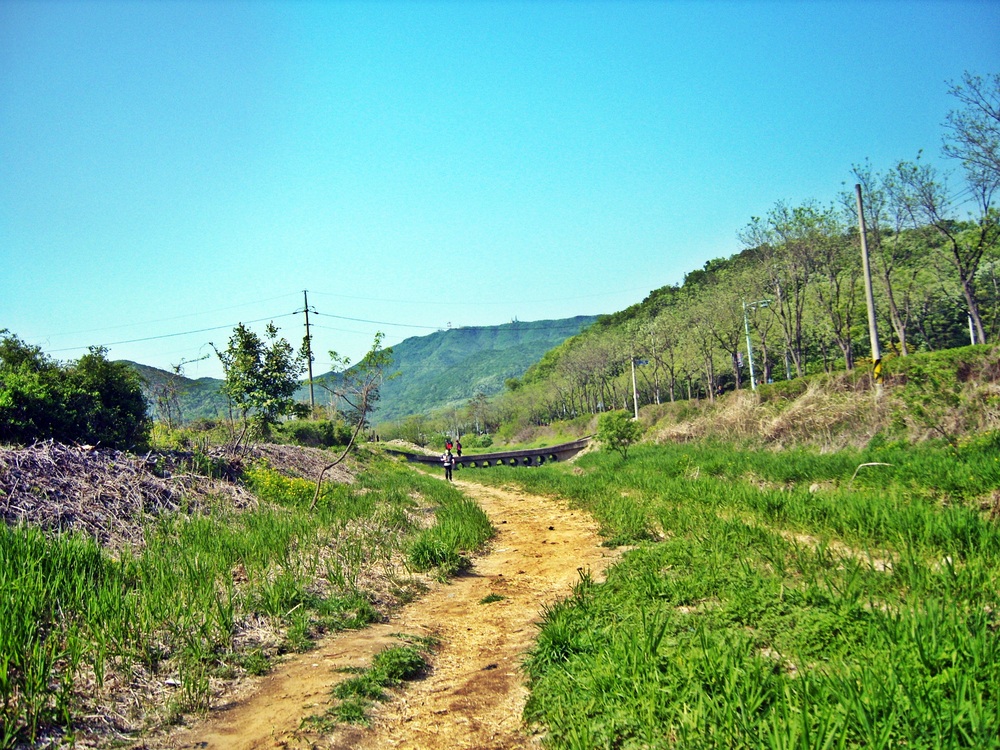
447 368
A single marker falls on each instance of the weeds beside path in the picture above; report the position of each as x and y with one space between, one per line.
484 621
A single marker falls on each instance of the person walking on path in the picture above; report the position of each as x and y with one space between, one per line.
449 462
458 448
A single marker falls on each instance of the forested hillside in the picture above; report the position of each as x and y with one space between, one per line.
792 301
448 368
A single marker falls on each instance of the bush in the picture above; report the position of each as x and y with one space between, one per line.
618 431
320 433
481 441
90 400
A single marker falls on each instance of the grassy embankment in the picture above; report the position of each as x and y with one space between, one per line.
82 632
778 600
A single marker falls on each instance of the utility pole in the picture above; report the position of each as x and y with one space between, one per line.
635 391
309 355
746 327
872 327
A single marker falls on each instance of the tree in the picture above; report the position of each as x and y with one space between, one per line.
90 400
972 133
928 201
784 243
359 388
837 281
107 401
30 393
261 377
618 431
972 136
167 394
885 218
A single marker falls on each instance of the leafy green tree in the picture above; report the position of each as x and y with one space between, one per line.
966 243
90 400
30 394
618 431
261 377
107 401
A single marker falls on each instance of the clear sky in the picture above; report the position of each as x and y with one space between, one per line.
171 168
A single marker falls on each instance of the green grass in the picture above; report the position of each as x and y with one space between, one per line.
776 600
176 608
355 695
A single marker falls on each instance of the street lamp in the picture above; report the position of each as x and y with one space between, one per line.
746 327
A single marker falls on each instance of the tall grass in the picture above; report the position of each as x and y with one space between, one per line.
777 601
183 608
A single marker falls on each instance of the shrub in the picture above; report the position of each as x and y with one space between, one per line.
618 431
320 433
90 400
481 441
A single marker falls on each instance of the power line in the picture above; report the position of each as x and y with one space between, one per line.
161 320
378 322
479 302
172 335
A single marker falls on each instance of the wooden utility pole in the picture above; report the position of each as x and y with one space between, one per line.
309 355
872 327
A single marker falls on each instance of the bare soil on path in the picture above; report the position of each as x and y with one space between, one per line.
474 692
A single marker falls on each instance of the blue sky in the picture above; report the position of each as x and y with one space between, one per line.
170 168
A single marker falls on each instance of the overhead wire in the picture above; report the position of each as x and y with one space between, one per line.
164 320
450 303
528 326
181 333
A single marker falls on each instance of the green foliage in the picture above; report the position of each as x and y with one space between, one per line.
788 600
355 695
461 527
261 376
317 433
479 441
934 388
618 431
90 400
70 611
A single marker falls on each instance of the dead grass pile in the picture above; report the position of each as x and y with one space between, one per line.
827 417
103 493
829 414
304 463
108 494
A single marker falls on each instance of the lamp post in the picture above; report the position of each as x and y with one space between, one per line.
746 327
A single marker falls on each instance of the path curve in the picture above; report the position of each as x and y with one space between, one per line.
474 693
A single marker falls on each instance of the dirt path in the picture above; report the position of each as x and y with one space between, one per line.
474 693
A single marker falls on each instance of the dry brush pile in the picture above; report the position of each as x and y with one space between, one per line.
103 493
107 494
121 615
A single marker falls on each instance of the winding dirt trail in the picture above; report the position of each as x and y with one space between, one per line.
474 693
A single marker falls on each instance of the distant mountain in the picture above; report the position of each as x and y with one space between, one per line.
198 399
445 368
